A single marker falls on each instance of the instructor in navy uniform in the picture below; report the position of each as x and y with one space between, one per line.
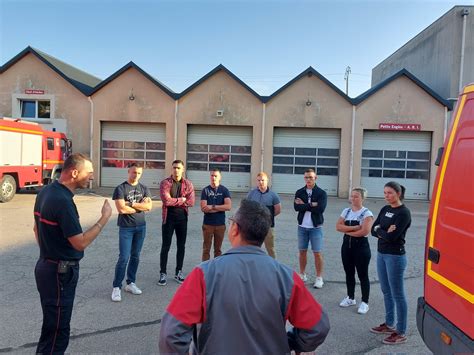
62 242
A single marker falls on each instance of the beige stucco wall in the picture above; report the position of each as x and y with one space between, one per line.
328 110
66 101
221 92
151 105
401 101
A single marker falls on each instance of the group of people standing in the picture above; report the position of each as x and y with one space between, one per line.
239 275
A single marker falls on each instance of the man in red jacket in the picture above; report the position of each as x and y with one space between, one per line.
243 299
177 194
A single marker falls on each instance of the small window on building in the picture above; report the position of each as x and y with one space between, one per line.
35 108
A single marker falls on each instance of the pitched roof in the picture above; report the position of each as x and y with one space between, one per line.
228 72
395 76
81 80
308 72
130 65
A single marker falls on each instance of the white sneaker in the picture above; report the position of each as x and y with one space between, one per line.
319 282
116 294
347 302
132 288
363 308
304 277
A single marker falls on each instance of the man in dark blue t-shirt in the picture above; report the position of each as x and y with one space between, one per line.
132 200
215 200
62 242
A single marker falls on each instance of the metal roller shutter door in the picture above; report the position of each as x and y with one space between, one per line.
123 143
227 148
399 156
296 149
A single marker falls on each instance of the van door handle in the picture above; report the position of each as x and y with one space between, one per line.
433 255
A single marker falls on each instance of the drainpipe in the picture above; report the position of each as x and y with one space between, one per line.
263 137
351 163
464 14
175 144
91 142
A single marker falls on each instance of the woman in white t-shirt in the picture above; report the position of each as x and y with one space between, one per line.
355 222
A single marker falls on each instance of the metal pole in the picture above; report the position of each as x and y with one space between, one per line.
346 78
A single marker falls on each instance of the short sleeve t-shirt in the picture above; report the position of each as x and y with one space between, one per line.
215 197
57 219
267 198
131 193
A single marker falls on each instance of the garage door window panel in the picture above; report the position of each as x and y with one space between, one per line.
155 146
306 151
394 174
219 148
395 154
221 167
417 174
394 164
369 153
242 149
240 168
155 156
419 155
240 158
327 171
219 158
305 161
283 151
198 148
283 160
112 144
422 165
197 166
278 169
371 173
328 152
131 154
372 163
155 164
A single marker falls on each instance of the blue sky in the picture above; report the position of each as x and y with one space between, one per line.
265 43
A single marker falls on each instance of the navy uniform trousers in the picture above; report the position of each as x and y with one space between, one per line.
57 292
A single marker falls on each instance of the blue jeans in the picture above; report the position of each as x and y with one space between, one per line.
130 244
313 235
390 269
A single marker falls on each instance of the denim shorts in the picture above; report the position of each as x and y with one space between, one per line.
313 235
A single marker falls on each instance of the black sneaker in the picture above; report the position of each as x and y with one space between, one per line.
179 277
162 280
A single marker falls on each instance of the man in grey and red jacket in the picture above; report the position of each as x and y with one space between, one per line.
240 302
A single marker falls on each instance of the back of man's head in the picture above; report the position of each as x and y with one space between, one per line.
254 221
75 161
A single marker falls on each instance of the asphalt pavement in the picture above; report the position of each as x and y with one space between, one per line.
132 326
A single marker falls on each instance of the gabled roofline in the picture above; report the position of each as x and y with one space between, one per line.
83 88
362 97
214 71
131 65
309 72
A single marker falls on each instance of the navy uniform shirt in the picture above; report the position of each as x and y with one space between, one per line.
215 197
130 194
57 220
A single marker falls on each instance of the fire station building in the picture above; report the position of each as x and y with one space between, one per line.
390 132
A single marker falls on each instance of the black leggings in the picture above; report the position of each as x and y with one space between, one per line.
355 253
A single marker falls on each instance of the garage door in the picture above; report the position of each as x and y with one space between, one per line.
296 149
400 156
125 143
228 149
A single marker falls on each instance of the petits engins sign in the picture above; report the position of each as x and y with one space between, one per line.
399 126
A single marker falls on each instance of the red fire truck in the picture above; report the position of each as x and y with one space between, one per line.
445 315
29 155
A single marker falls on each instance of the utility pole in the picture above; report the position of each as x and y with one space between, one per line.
346 78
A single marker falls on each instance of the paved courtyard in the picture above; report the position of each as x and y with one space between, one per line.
132 326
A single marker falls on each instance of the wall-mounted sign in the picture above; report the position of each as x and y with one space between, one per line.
34 92
399 127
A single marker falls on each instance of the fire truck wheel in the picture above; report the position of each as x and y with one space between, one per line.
7 188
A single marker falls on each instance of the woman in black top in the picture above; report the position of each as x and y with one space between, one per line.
390 228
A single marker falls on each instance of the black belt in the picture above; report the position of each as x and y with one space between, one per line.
65 262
